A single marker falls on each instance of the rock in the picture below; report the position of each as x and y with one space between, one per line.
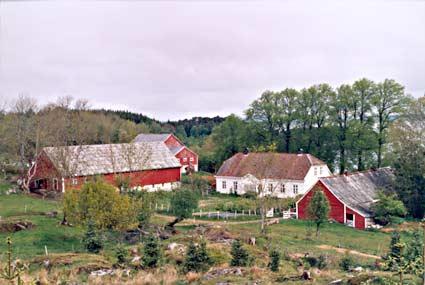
132 236
306 275
52 214
252 240
214 273
357 269
136 259
173 245
134 251
336 282
102 272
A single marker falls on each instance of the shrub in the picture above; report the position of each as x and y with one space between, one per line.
322 262
121 254
240 256
151 252
92 240
197 258
388 209
274 256
346 262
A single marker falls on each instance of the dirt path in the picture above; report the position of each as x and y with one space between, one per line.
344 250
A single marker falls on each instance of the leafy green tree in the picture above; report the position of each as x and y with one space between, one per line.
274 256
387 208
151 252
240 256
197 258
92 239
183 202
318 209
100 203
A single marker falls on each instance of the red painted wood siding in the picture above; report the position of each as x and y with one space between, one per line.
185 153
172 141
336 207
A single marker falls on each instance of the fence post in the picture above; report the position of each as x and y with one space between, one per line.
235 214
243 213
156 206
218 215
249 212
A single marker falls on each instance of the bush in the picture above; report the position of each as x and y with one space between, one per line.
274 256
151 252
346 262
240 256
197 258
322 262
92 240
121 254
388 209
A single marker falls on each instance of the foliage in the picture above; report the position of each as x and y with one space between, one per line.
145 202
387 208
318 209
151 252
13 270
92 239
346 262
183 202
197 258
101 203
240 256
121 254
274 257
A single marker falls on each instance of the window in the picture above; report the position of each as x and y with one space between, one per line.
184 159
55 184
271 187
295 187
321 170
192 159
282 188
74 181
315 171
223 184
235 185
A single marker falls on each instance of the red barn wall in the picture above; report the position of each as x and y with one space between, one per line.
172 141
336 207
44 169
185 153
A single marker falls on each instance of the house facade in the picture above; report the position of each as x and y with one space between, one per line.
149 166
350 196
276 174
187 157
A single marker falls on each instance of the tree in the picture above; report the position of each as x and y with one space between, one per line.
387 208
183 202
151 252
92 240
318 209
197 258
389 101
121 254
274 256
240 256
100 203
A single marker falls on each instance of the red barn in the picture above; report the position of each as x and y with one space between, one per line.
350 196
150 166
187 157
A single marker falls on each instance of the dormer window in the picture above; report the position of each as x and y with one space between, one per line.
321 170
315 171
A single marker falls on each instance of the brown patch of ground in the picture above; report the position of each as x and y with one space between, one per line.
349 251
406 226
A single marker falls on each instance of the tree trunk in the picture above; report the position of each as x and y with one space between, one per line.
341 160
317 230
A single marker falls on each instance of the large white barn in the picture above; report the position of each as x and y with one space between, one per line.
277 174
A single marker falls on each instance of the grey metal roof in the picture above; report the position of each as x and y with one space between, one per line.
88 160
177 149
151 137
359 190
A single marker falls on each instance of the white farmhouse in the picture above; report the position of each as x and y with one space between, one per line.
277 174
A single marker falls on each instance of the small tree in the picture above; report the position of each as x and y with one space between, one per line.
151 252
274 256
183 202
346 262
92 240
121 254
318 209
13 269
197 258
240 256
387 208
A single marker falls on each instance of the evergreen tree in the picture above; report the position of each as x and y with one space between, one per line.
151 252
395 250
203 256
274 256
240 256
318 209
92 240
121 254
197 258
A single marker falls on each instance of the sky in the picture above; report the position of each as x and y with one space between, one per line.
178 59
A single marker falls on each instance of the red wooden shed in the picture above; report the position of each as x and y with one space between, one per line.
350 196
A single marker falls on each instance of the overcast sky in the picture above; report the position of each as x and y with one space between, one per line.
177 59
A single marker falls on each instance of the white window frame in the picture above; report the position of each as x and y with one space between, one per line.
282 188
55 184
74 181
235 185
315 171
295 188
321 170
270 187
223 184
191 159
184 159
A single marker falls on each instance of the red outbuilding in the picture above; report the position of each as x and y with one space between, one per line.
350 196
147 165
187 157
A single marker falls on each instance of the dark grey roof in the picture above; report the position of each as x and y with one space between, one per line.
177 149
151 137
359 190
88 160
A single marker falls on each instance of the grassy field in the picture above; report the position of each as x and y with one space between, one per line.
291 237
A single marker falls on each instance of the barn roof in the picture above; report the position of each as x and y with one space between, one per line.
88 160
151 137
359 190
269 165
